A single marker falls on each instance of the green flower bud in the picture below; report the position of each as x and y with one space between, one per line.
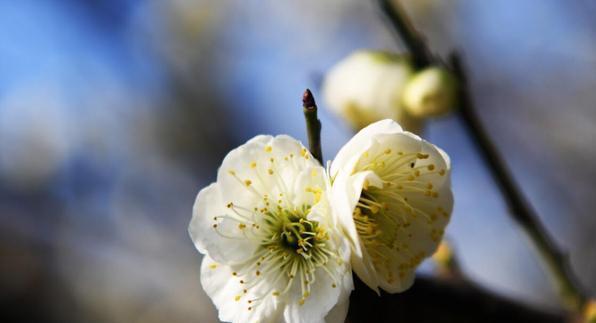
431 92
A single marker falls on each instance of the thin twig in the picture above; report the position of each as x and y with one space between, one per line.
520 209
313 125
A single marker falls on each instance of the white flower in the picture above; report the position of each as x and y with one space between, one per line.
272 248
367 86
392 192
431 93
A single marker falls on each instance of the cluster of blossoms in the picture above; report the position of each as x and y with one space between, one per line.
281 235
369 86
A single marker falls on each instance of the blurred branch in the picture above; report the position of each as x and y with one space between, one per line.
520 210
313 125
395 14
441 301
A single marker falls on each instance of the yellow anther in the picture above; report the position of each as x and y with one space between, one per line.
388 151
442 172
275 293
247 182
234 274
365 184
430 167
253 165
213 266
230 205
241 226
268 149
422 156
232 172
270 171
237 298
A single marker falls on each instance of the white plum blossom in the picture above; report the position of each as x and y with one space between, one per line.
367 86
392 192
273 250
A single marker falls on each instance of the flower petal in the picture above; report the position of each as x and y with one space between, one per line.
360 143
230 298
209 239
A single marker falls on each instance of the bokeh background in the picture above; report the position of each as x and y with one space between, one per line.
114 113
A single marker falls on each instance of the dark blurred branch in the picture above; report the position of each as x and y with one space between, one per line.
441 301
520 209
395 14
313 125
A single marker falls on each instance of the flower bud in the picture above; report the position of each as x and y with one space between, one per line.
590 312
367 86
430 93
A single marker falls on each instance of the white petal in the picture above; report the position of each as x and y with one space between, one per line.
205 237
309 186
339 312
262 166
229 297
364 268
360 143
